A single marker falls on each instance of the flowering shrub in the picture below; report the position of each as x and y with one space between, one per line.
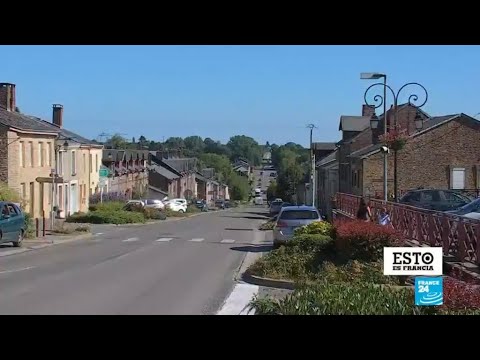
395 139
458 295
317 227
361 240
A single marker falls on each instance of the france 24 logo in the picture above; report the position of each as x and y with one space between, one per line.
413 261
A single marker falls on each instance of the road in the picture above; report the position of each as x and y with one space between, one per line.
181 267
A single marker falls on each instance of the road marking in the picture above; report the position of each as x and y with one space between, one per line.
131 239
227 241
164 239
16 270
238 301
97 234
196 240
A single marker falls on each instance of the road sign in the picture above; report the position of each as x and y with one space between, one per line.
103 181
104 173
49 180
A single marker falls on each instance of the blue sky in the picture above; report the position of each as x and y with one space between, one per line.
267 92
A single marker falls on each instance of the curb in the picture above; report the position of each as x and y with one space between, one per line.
267 282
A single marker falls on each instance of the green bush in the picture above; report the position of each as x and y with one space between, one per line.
107 217
29 226
269 225
171 213
192 209
154 214
317 227
342 299
311 242
108 206
356 272
8 194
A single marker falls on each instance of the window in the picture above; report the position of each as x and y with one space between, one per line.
74 162
96 163
30 144
457 178
299 215
13 210
60 163
40 154
90 162
21 153
84 163
60 197
24 190
5 211
49 195
48 157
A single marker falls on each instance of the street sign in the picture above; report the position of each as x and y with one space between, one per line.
103 181
49 180
103 173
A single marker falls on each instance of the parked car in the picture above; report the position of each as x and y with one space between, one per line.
275 207
469 211
177 205
154 203
258 200
198 204
290 218
12 223
433 199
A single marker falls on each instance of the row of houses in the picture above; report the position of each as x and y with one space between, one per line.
52 167
443 154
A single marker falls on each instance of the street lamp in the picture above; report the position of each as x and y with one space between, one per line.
412 99
374 122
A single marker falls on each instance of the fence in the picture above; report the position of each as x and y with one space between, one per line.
460 238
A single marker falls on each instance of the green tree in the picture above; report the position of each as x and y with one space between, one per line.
221 164
239 187
194 145
117 142
272 190
242 146
215 147
174 143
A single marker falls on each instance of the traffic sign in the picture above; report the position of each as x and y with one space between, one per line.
103 181
104 173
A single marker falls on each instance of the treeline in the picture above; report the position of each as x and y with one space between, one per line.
291 160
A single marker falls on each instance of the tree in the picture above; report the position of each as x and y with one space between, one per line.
242 146
194 145
272 190
8 194
216 147
117 142
239 187
220 163
174 143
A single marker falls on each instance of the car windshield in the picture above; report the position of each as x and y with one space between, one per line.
299 215
276 203
474 206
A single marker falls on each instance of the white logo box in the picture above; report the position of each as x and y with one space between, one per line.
413 261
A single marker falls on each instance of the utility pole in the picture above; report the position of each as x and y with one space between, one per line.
312 160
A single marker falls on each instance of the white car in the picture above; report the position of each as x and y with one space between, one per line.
176 205
154 204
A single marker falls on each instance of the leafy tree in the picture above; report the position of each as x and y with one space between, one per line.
242 146
117 142
272 190
194 145
174 143
239 187
220 163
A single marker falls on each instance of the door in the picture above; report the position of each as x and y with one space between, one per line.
5 224
73 199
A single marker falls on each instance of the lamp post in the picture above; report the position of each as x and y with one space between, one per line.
55 175
381 100
374 124
312 163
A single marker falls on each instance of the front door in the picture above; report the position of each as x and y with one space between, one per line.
73 199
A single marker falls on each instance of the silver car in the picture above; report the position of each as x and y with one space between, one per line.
290 218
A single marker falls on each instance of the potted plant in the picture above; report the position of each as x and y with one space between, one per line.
395 139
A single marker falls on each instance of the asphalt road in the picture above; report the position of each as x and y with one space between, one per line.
181 267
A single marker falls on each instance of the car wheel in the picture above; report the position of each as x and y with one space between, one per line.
19 241
181 211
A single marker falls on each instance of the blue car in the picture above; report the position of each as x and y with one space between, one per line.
12 224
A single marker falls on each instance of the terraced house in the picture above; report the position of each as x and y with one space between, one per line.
32 150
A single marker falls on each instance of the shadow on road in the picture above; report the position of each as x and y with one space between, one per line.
5 246
253 248
237 229
246 217
264 214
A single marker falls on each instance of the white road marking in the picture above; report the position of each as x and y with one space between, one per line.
16 270
97 234
227 241
238 301
164 239
131 239
197 240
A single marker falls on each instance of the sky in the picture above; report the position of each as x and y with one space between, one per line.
267 92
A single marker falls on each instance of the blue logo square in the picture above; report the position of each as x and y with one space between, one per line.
429 291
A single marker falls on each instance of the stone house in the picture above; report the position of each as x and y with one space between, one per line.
128 175
32 149
443 154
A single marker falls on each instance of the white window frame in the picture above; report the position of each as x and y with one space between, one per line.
74 162
452 178
22 153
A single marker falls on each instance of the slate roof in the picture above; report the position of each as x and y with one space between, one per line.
328 146
182 165
208 173
353 123
163 172
327 159
426 125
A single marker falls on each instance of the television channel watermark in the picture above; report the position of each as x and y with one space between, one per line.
413 261
428 291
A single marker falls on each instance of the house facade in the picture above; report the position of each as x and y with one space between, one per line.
128 174
34 149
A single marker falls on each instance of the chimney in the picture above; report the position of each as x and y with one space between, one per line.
368 110
57 118
7 96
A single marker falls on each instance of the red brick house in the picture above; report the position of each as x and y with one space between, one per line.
444 154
